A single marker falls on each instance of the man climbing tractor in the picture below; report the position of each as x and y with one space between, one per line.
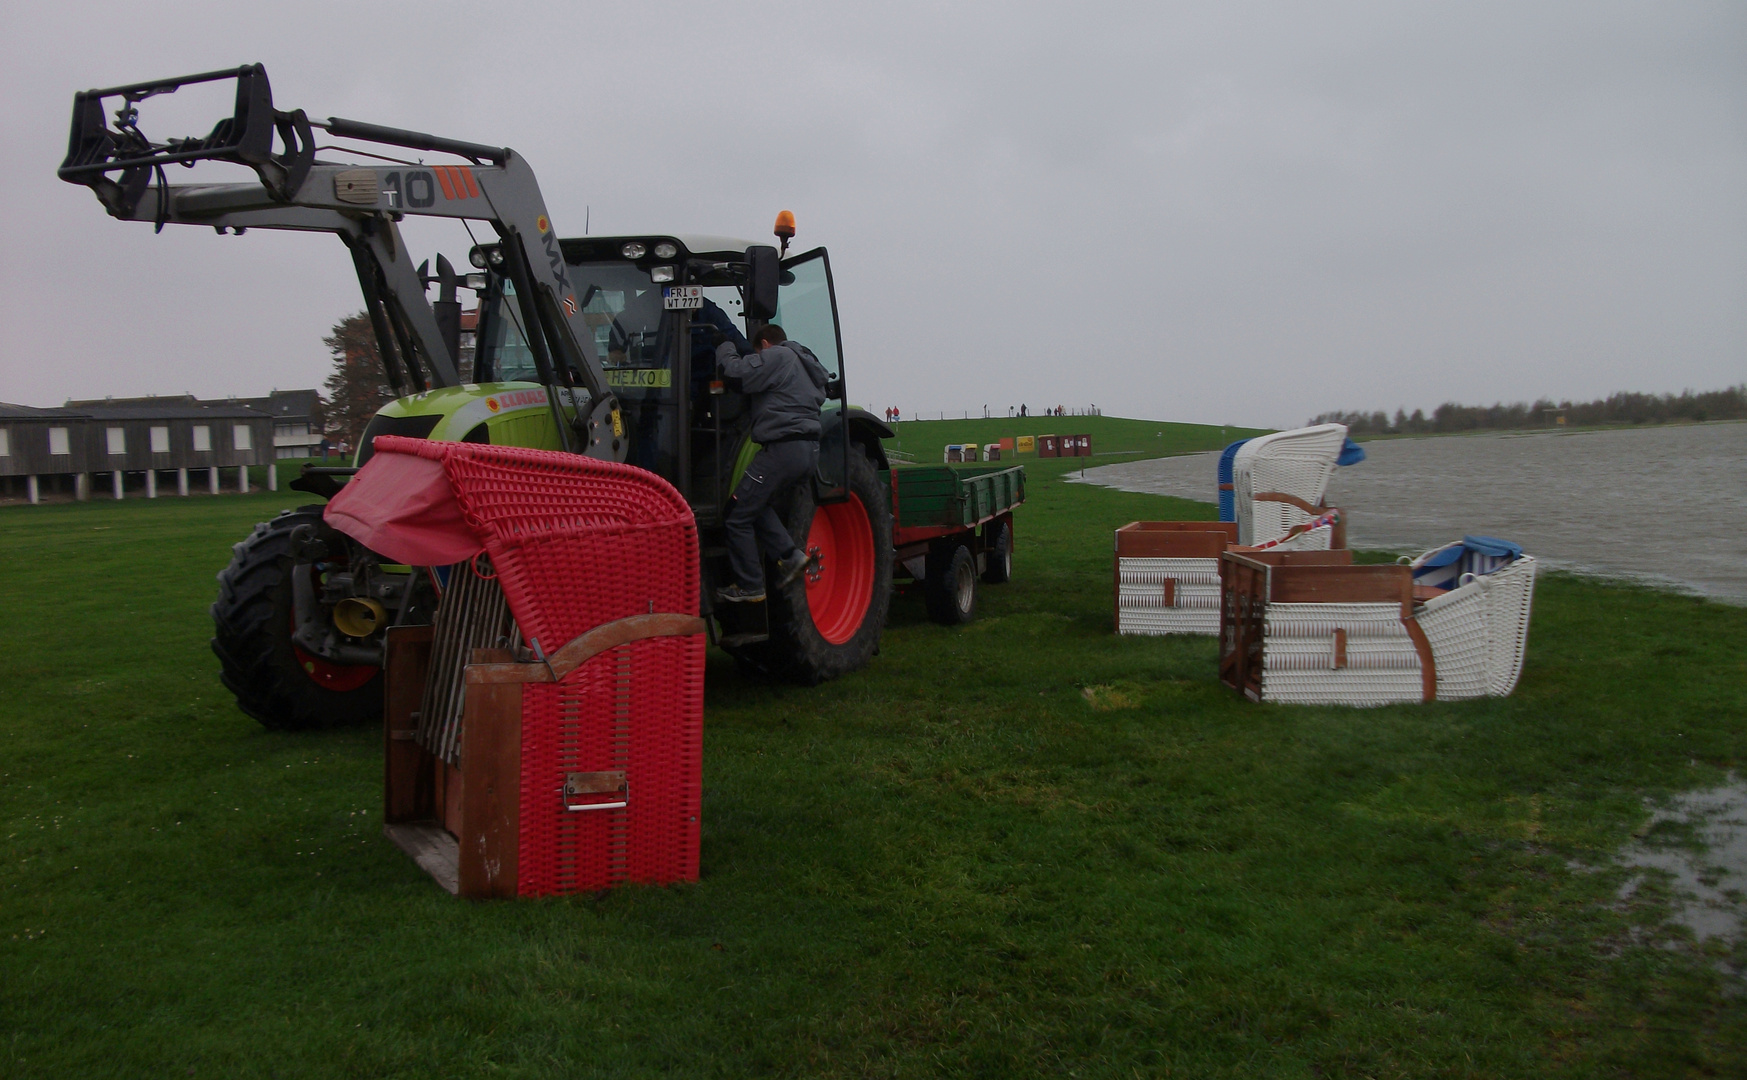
787 386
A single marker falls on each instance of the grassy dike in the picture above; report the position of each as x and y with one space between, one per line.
1114 438
1021 847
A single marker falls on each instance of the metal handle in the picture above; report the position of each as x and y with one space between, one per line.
596 783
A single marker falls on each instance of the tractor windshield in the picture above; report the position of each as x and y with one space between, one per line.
623 308
632 336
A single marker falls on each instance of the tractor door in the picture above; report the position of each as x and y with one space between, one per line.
807 311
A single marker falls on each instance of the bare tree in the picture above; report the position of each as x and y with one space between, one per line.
357 386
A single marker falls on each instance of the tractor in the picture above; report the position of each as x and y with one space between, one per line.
593 345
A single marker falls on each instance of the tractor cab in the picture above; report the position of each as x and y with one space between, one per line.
653 307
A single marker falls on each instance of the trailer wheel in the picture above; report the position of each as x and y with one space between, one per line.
951 589
828 623
998 551
278 684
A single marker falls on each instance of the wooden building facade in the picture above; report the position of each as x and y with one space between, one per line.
131 447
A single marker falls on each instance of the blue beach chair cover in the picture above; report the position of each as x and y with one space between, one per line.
1479 555
1228 494
1351 453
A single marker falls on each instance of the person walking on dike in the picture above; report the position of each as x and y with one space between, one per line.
787 384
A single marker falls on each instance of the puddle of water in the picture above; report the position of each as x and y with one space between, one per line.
1709 885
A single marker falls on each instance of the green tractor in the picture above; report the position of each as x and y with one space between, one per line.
597 345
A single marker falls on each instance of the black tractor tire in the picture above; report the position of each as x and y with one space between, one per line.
998 552
951 588
252 638
797 650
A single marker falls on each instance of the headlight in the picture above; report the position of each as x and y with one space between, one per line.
661 273
477 258
634 250
665 251
476 282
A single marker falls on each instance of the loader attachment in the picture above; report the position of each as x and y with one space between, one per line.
94 149
362 204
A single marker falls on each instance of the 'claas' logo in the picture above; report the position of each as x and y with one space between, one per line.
491 403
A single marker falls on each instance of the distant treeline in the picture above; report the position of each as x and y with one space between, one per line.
1728 404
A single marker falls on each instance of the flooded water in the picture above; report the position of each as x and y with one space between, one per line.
1666 505
1709 880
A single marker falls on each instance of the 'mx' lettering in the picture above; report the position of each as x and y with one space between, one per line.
556 259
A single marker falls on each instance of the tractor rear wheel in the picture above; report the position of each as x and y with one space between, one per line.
828 621
277 683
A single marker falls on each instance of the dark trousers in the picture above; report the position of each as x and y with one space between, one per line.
753 523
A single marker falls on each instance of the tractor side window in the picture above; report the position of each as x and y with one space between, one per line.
807 310
507 345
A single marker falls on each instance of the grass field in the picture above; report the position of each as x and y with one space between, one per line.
1024 847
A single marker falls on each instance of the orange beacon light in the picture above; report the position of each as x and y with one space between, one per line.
785 228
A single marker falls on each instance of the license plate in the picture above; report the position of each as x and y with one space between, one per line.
682 297
640 378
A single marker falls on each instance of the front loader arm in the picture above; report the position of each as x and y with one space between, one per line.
361 204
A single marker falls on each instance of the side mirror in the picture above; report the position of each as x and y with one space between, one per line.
761 281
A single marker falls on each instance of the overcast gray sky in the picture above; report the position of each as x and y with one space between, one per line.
1221 212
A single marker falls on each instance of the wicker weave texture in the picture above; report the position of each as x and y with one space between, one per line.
636 708
1297 463
1479 632
1194 590
1380 665
576 544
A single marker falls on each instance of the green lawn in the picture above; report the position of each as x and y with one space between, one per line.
951 863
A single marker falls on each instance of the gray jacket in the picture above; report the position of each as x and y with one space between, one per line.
787 386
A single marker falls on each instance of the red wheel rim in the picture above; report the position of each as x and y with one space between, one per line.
340 678
839 596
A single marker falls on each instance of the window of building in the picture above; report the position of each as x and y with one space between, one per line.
117 440
5 443
240 435
58 441
160 440
202 438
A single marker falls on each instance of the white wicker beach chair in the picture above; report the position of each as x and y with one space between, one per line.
1167 576
1279 480
1479 631
1311 628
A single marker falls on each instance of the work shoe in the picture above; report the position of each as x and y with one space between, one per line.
791 568
734 594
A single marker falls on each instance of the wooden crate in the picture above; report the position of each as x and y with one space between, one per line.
1309 627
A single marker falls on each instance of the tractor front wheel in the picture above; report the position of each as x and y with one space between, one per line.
277 683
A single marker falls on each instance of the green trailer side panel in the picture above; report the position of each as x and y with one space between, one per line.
942 496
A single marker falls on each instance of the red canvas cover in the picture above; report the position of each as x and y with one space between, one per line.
402 506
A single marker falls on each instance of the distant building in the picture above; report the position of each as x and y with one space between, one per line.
296 421
137 443
296 415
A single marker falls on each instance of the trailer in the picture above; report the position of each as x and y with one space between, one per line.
951 526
